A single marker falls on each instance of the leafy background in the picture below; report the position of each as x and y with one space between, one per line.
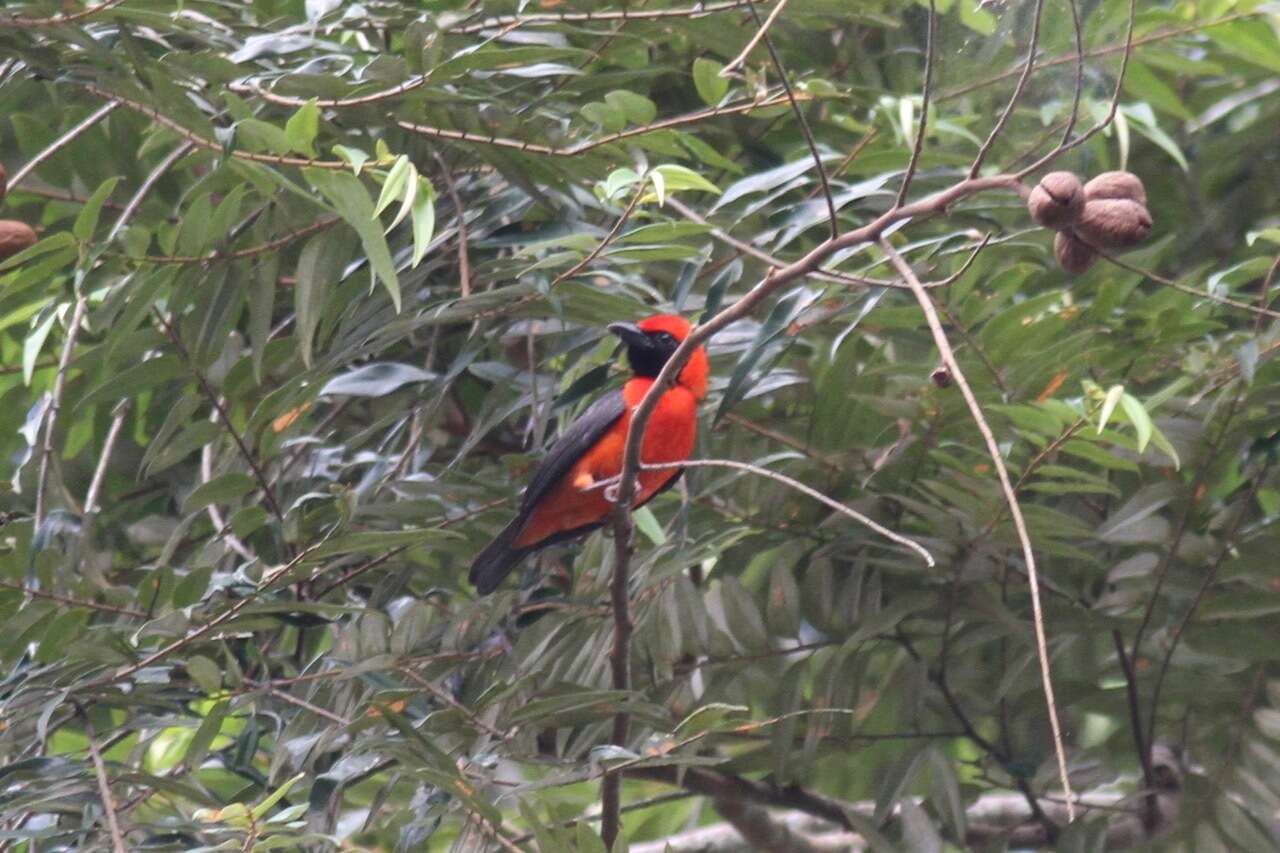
311 298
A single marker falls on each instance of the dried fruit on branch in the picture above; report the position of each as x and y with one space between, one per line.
1057 200
1113 223
1073 256
1116 185
15 237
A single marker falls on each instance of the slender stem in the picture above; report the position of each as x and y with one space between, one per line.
55 404
762 28
104 785
61 142
795 109
925 94
1027 69
1011 498
464 258
215 400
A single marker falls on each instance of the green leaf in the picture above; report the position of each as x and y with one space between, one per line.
424 220
260 810
1109 402
395 183
205 673
302 127
707 80
87 220
1139 418
351 202
649 526
637 108
220 489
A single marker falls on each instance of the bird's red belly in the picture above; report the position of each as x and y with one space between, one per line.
572 504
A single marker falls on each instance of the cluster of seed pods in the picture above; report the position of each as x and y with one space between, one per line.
1108 212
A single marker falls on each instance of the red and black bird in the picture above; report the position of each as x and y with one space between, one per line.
559 503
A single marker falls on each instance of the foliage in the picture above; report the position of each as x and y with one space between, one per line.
312 298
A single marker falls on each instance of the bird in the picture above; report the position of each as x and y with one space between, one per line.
565 498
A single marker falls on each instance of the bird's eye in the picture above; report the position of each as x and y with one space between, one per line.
666 338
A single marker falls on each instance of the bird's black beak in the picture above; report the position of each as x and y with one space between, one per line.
631 335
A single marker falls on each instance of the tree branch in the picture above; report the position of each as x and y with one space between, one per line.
1011 498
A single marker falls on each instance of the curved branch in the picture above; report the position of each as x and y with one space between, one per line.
1011 498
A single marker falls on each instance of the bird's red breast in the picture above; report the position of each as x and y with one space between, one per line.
668 437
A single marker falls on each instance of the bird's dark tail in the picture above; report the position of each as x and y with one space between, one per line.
497 559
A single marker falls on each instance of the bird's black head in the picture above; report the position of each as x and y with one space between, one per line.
647 351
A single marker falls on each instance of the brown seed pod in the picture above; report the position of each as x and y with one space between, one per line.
1113 223
1073 256
1116 185
1057 200
15 236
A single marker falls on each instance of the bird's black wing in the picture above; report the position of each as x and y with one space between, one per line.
501 555
576 441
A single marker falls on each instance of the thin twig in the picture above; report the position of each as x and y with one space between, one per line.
1018 89
211 394
1111 110
1150 813
763 33
132 205
690 13
619 665
239 254
220 525
608 238
792 483
1183 288
73 602
61 142
1011 498
464 259
761 29
697 117
448 698
104 785
1078 89
55 404
100 473
208 144
1210 575
926 92
1093 53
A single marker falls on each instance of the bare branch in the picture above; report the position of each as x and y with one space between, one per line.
1011 498
464 258
215 400
1183 288
55 404
61 142
73 602
108 446
104 785
131 207
1027 69
1107 50
619 665
1111 111
791 483
761 28
925 93
735 108
690 12
795 109
608 238
208 144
